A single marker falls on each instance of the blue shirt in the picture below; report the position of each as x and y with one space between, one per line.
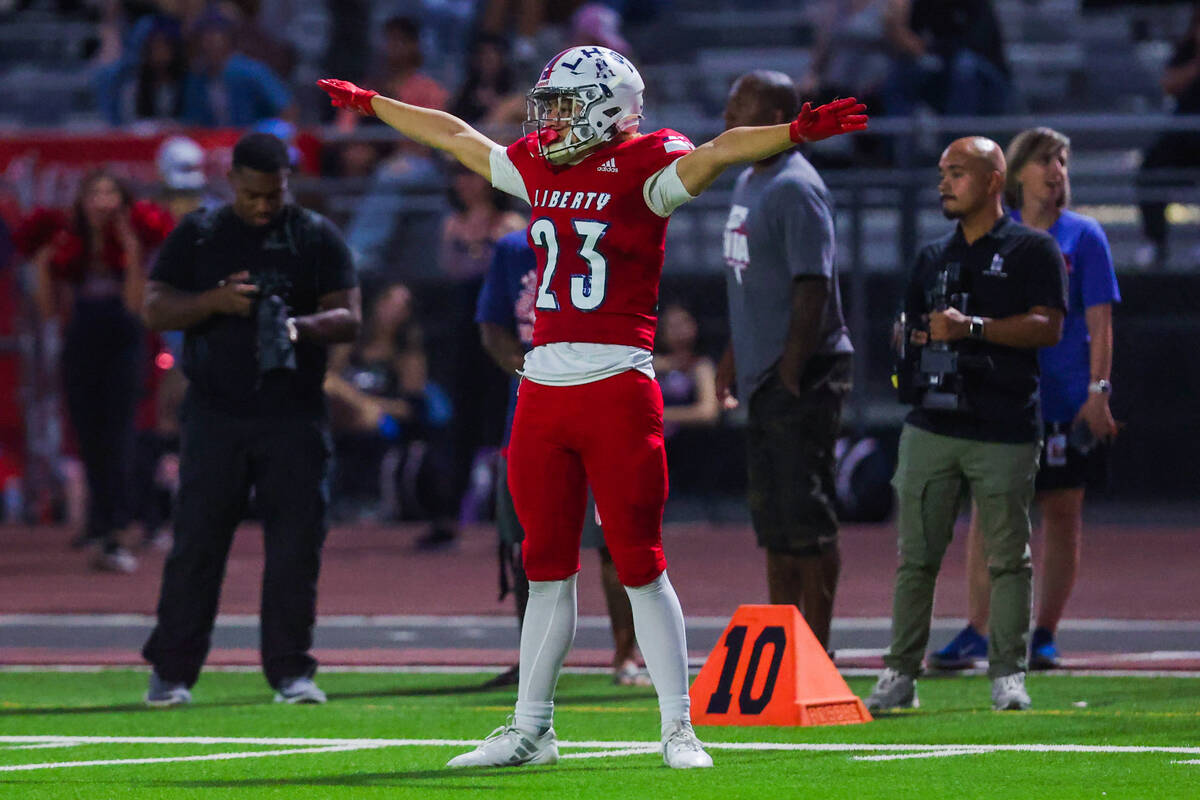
507 296
1066 367
250 91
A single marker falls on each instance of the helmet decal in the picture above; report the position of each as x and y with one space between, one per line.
586 96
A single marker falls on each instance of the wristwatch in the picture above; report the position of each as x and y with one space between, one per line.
293 334
977 328
1100 387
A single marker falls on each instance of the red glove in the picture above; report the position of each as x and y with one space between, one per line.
840 116
345 94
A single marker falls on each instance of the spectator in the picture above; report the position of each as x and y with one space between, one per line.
690 408
90 270
851 56
1172 150
146 83
400 66
182 176
598 23
158 93
489 88
389 421
469 235
850 53
950 56
409 169
1075 390
256 40
227 89
530 17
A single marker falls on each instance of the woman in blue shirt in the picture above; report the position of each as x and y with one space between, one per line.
1075 391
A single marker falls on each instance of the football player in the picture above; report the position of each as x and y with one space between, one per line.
589 410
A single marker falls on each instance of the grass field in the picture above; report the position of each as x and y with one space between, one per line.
388 735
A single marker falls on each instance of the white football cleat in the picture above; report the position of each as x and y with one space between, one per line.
508 746
681 749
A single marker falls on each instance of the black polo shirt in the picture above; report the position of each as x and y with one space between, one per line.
220 354
1006 272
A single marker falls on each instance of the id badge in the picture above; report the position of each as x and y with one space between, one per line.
1056 450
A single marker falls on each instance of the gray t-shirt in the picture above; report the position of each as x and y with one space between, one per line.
780 227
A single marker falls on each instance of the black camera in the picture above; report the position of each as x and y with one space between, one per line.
274 346
932 375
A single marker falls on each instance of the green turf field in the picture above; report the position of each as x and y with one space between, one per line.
388 735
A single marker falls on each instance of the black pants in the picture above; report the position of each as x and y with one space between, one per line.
102 379
1179 149
221 458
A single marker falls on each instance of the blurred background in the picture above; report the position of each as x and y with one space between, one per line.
156 92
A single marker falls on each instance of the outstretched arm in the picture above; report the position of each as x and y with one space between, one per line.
428 126
699 168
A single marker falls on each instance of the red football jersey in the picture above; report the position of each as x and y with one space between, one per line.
599 246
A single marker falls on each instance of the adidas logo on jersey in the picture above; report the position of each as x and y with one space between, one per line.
608 166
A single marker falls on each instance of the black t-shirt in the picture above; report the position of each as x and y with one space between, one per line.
952 24
1006 272
220 354
1188 101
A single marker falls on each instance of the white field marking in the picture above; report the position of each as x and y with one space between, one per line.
46 746
848 747
506 622
627 751
935 754
176 759
1188 761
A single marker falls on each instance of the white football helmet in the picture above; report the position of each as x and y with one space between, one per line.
584 98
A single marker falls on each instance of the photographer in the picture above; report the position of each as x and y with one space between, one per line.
260 287
991 293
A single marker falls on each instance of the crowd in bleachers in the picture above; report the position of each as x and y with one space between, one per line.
178 66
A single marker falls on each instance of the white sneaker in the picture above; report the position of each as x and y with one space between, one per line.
164 694
297 691
508 746
893 690
118 560
1008 693
681 749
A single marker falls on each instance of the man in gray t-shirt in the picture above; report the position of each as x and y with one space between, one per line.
792 353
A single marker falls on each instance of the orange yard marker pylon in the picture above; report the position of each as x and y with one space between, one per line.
769 669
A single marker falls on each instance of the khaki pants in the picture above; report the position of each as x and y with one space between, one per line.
931 478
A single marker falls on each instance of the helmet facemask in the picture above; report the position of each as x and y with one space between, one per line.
563 120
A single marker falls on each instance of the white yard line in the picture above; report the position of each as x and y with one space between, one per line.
595 749
46 746
591 745
933 754
175 759
625 751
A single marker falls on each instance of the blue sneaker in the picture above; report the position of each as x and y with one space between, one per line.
962 651
1043 653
